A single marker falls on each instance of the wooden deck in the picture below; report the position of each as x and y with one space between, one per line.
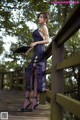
11 101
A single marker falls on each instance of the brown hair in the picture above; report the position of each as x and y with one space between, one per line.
45 16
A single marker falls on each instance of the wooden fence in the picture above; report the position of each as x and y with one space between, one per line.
59 101
13 80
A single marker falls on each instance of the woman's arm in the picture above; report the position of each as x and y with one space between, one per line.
44 31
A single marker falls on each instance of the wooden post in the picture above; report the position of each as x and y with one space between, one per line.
57 81
1 81
16 80
42 98
11 80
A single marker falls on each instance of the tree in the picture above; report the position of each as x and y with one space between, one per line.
1 47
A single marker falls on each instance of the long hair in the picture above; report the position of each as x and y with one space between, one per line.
45 16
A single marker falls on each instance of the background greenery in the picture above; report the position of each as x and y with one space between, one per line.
14 18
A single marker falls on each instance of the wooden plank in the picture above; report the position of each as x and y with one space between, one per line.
1 81
48 93
70 62
42 98
68 103
48 51
19 117
57 81
11 101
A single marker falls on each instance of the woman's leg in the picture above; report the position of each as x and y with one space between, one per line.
41 77
26 100
35 92
28 85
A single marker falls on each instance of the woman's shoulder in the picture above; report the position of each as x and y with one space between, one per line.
44 27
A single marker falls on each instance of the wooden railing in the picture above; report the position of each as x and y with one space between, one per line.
59 101
13 80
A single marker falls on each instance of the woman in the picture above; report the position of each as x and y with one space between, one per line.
35 72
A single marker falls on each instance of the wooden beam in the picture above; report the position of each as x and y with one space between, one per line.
57 81
68 103
48 93
48 51
42 98
70 62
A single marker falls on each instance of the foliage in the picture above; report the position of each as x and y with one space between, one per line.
16 14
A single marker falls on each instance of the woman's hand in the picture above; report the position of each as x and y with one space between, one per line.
26 53
33 44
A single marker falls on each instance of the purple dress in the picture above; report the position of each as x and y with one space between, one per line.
39 59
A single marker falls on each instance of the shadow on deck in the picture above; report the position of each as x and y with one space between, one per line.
11 101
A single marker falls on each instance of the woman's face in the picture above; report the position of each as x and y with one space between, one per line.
41 19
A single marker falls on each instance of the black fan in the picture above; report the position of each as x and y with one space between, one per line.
22 49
